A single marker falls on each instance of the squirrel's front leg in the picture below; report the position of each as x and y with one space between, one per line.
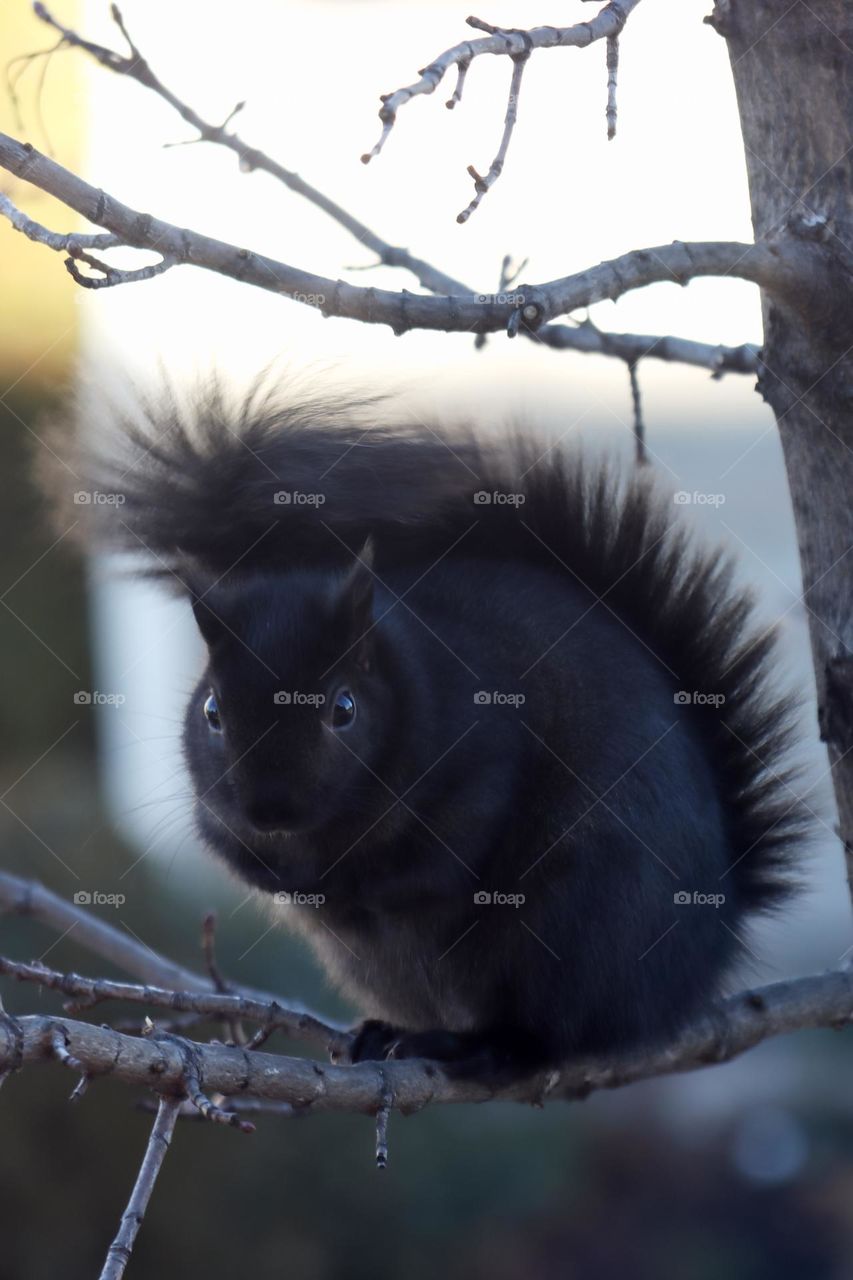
472 1054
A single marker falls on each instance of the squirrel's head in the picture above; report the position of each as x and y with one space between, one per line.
283 729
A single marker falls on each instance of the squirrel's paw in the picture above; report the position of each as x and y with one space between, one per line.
376 1040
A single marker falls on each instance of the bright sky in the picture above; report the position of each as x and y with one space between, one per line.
310 73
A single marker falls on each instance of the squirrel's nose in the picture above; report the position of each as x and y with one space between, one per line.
266 815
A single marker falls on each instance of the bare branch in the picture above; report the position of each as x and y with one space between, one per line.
246 1107
70 242
612 74
118 1254
383 1115
483 184
208 944
796 270
138 69
513 43
85 993
637 406
728 1030
586 337
719 359
61 1053
29 898
108 276
192 1078
11 1030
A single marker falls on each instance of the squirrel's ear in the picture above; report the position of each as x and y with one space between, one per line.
212 627
356 601
199 583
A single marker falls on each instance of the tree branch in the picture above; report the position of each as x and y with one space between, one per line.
85 993
633 347
794 270
517 45
159 1062
585 338
250 158
483 184
29 898
118 1254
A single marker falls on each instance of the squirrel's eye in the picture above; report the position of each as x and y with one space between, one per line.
211 713
343 710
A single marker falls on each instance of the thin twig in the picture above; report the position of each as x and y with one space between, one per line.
612 73
68 242
137 68
382 1117
29 898
208 945
482 184
192 1076
85 993
118 1254
245 1106
60 1051
109 276
609 21
718 359
637 406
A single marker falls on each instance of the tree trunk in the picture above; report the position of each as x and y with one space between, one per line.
793 73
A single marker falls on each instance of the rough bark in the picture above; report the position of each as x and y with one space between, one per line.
793 72
169 1063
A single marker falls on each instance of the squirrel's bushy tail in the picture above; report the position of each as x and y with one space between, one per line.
277 486
271 484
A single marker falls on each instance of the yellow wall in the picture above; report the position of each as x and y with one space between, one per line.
37 296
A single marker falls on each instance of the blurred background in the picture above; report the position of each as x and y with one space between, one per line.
743 1170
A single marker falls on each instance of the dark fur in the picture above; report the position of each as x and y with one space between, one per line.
598 799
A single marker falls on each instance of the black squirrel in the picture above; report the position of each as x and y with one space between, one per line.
478 712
